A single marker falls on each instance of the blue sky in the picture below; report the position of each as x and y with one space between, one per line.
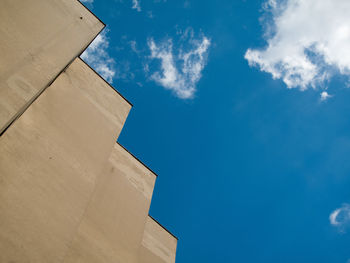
242 108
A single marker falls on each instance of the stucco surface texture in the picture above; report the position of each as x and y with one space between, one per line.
113 225
50 160
158 245
38 39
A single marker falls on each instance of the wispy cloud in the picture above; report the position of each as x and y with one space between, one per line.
87 1
340 217
136 5
96 55
133 46
306 41
180 70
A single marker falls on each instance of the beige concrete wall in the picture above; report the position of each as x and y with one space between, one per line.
49 161
158 245
38 39
113 225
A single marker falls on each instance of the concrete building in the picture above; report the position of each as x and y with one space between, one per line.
68 191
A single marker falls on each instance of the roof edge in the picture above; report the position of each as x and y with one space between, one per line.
104 26
163 227
126 100
137 159
91 12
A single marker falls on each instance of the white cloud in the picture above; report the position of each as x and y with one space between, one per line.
96 55
180 71
341 217
324 95
136 5
307 41
87 1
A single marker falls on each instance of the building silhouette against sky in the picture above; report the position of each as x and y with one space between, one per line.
68 191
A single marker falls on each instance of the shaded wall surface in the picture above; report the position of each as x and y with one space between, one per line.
68 191
113 225
38 39
50 159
